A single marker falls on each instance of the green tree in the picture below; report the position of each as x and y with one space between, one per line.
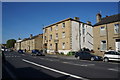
10 43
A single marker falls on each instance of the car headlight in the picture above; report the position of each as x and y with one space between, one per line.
96 57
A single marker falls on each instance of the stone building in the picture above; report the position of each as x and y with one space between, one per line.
106 33
28 44
68 35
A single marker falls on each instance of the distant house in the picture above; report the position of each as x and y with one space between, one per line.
68 35
106 33
28 44
18 44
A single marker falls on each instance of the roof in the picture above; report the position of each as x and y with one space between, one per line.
63 21
31 37
109 19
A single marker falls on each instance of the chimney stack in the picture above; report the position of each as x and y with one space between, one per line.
76 18
98 17
88 22
31 35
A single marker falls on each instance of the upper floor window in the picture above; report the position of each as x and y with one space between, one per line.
50 37
45 37
63 34
83 31
56 27
83 39
50 28
45 30
102 31
116 28
56 35
63 25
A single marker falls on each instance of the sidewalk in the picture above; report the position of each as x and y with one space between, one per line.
60 56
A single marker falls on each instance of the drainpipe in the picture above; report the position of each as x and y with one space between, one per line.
107 36
79 36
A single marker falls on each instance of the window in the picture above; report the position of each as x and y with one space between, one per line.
116 28
45 37
50 37
102 31
63 25
103 45
50 28
50 46
45 30
56 35
83 39
56 27
83 31
63 45
63 34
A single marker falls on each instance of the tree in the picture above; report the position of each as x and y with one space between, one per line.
10 43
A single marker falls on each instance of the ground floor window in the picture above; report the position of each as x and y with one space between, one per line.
117 44
63 45
50 46
103 45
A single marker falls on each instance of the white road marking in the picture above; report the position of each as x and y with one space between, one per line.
42 58
83 65
51 69
66 62
79 64
112 69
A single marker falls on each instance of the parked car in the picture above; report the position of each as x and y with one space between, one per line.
20 51
111 56
36 52
10 50
87 55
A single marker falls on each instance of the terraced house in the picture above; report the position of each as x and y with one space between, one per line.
28 44
107 33
68 35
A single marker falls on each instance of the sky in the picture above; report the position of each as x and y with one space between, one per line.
20 19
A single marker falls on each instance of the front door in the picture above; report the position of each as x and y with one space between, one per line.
56 47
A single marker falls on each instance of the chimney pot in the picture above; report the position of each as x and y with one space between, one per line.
76 18
31 35
88 22
98 17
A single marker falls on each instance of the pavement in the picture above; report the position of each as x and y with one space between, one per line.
61 56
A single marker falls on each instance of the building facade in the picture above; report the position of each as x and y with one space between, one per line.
106 33
28 44
67 35
18 44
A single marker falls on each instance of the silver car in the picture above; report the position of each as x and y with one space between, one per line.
111 56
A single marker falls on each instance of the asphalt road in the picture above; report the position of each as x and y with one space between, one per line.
26 67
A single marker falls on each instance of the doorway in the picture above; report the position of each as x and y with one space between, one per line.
56 47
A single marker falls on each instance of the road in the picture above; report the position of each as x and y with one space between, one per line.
26 67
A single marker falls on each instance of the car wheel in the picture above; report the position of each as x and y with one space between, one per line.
106 60
92 59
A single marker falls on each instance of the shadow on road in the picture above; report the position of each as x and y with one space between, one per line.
28 73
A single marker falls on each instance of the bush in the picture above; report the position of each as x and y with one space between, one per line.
70 53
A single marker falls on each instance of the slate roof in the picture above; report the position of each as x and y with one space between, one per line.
66 20
31 38
109 19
